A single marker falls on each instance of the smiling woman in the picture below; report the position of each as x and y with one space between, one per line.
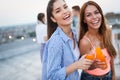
95 38
61 55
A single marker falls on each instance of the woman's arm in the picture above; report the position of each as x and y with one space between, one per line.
55 69
82 63
113 69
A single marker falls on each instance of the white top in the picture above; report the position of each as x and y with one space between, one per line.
76 51
77 55
41 32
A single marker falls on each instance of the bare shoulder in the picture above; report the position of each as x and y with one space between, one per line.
84 46
84 42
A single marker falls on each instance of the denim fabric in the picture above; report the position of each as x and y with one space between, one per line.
57 56
86 76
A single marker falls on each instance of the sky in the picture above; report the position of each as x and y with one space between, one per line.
17 12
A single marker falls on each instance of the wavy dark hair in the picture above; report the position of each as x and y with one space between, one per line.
103 30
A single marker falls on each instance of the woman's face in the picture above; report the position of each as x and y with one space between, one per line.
92 17
61 13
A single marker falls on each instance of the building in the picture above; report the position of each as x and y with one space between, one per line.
10 33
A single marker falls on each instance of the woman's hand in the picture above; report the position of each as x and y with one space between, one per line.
84 63
97 64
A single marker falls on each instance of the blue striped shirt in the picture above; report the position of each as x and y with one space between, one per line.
57 56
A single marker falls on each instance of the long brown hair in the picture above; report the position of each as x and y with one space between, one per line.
51 26
103 30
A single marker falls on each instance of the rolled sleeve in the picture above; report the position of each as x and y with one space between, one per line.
55 69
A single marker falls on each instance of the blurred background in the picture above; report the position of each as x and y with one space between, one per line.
19 52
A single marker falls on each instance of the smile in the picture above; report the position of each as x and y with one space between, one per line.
66 17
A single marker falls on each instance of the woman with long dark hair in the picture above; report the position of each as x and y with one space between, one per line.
94 33
61 56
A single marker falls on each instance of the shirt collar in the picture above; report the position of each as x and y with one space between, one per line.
64 36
